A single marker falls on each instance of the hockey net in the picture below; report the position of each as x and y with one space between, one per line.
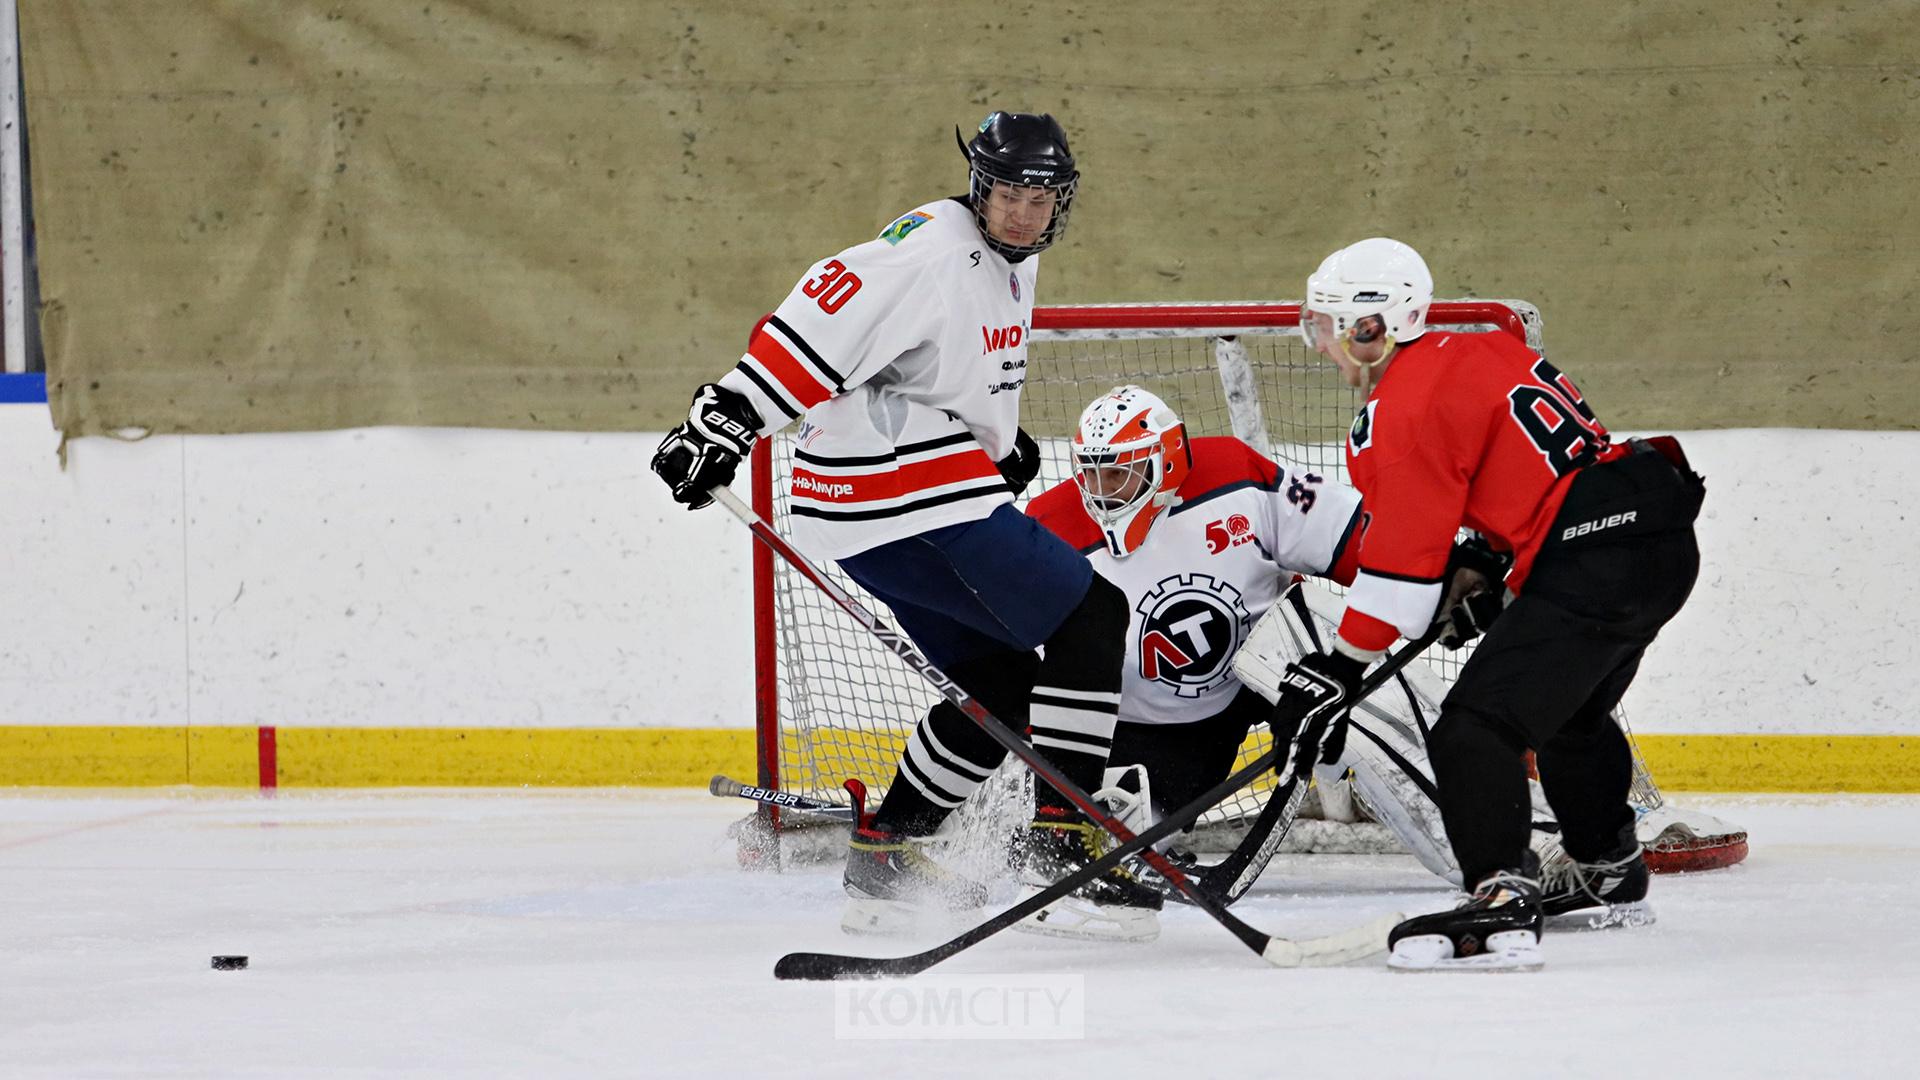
832 704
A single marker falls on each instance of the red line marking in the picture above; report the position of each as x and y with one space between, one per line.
269 760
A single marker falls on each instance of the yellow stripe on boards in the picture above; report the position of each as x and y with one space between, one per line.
85 756
508 757
1791 763
97 756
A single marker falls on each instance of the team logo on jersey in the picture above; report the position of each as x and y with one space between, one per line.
1190 627
1360 435
1230 531
1013 282
898 231
995 338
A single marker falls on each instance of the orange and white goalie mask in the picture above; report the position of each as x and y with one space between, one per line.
1130 455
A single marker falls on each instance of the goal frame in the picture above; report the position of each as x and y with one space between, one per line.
1213 320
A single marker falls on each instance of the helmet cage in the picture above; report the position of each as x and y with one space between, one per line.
1130 456
980 190
1022 151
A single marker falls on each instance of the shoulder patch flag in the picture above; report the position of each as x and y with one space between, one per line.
898 231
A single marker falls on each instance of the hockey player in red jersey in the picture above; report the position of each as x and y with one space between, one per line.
1475 431
904 358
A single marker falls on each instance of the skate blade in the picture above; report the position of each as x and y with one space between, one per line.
1433 952
1612 917
1078 920
865 916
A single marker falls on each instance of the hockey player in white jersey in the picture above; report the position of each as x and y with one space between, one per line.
904 358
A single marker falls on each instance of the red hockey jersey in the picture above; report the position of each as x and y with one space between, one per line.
1472 430
1210 568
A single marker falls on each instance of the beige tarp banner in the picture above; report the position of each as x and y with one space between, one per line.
272 216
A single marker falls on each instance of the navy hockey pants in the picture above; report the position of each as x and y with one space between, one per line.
967 591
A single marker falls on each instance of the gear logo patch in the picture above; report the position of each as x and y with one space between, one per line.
1190 627
1013 282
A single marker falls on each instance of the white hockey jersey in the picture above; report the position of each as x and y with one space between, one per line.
904 357
1212 565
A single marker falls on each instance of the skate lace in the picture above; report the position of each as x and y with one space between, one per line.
1489 888
1564 875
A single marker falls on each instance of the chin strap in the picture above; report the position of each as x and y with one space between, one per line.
1370 371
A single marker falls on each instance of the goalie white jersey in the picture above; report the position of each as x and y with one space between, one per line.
1212 565
904 357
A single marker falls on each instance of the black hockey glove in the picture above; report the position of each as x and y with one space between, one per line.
1022 465
702 453
1315 693
1476 590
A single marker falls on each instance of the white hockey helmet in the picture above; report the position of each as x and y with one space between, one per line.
1130 456
1375 277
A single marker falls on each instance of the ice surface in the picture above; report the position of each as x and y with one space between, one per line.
610 933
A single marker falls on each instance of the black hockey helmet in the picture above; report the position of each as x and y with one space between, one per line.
1027 150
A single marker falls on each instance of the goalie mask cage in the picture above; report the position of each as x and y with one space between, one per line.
832 704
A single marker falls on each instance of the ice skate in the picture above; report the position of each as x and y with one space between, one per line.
1113 907
1495 929
1611 892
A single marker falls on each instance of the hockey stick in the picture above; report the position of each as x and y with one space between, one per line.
726 786
1232 876
1278 951
1336 948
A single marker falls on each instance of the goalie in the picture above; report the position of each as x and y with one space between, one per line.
1202 536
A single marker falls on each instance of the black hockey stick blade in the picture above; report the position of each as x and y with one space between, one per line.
813 966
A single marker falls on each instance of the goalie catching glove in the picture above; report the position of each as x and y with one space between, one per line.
702 453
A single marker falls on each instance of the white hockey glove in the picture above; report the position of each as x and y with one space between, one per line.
703 452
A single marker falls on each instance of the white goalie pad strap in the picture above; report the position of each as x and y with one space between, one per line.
1284 635
1127 795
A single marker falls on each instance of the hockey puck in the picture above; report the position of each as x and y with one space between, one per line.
229 963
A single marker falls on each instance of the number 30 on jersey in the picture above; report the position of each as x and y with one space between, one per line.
834 287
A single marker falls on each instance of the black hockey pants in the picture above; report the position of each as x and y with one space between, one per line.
1553 666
